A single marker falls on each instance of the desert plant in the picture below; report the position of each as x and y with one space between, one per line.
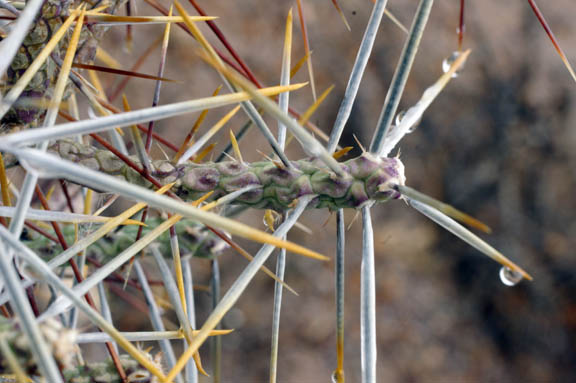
192 198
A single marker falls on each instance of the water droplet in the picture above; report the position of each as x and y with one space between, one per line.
447 63
400 117
510 277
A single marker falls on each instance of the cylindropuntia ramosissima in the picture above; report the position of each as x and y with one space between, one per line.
368 178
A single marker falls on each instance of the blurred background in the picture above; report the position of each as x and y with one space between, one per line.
499 143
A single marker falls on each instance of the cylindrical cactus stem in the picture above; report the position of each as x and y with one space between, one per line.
193 239
367 178
106 372
49 20
62 342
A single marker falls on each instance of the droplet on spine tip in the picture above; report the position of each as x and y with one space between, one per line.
447 63
510 277
400 117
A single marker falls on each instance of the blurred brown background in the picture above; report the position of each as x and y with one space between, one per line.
499 143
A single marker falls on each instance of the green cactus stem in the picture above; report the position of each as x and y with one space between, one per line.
49 20
62 342
105 372
367 178
193 239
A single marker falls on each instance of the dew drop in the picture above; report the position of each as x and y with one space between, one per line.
510 277
400 117
337 376
447 63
